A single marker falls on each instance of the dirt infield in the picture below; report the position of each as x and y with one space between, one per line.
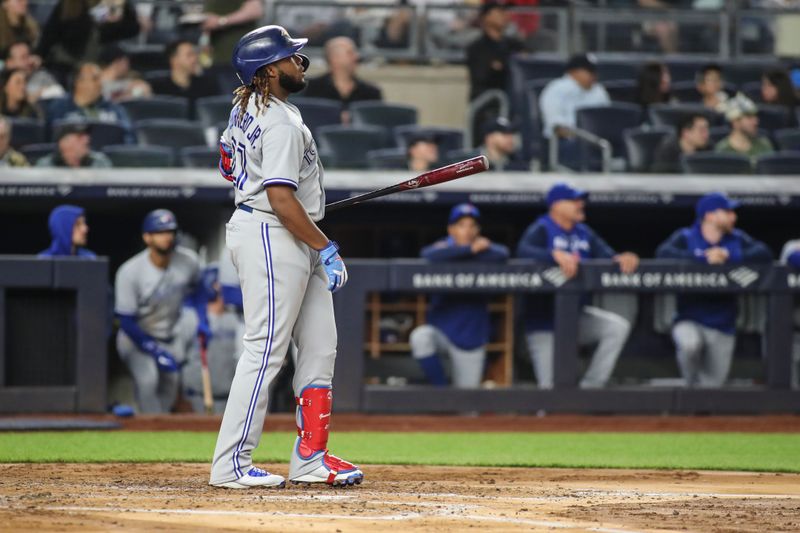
484 423
148 497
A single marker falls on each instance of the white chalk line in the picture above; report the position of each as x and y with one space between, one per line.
382 518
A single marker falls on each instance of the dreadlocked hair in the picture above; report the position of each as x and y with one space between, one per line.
259 86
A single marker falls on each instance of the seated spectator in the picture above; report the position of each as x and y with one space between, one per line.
73 149
653 86
500 146
8 156
423 152
710 85
119 81
341 82
561 99
744 139
76 30
704 331
561 238
185 76
16 25
223 349
227 21
87 103
41 84
14 96
488 57
70 233
790 255
777 89
458 325
692 137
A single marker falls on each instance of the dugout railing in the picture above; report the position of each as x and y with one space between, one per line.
777 283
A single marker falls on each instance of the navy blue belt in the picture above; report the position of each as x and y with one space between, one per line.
245 208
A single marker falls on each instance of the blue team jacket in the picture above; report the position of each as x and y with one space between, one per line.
538 243
712 311
463 318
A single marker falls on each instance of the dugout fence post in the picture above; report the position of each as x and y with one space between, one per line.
778 333
565 341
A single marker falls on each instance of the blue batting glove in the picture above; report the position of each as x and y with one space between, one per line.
165 361
334 266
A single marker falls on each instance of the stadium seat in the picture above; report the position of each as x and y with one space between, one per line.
788 139
132 156
172 133
26 131
388 116
347 146
607 122
102 134
616 70
454 156
157 106
199 157
671 114
213 110
446 138
145 60
318 112
388 158
641 145
712 163
774 117
717 133
752 90
34 152
621 90
779 163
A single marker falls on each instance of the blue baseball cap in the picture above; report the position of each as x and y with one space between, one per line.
564 191
713 201
463 210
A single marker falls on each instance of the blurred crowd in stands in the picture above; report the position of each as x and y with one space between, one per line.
71 96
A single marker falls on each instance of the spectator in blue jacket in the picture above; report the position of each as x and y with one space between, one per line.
70 233
705 326
458 325
790 255
560 237
86 102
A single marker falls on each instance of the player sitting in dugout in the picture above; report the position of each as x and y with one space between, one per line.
70 233
458 325
704 331
560 237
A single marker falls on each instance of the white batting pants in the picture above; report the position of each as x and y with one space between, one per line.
704 354
285 297
427 340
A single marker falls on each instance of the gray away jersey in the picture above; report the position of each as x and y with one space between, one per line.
274 147
155 296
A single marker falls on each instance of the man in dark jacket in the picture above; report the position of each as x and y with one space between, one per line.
70 233
458 325
560 237
488 57
705 326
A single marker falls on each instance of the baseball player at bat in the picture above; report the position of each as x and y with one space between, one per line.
560 237
287 267
458 325
151 289
704 331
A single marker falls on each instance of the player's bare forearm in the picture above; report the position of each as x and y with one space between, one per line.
294 218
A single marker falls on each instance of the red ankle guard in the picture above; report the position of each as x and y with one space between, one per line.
315 413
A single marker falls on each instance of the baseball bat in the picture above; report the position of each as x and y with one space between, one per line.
208 397
452 172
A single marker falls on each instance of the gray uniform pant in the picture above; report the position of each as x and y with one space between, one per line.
285 293
704 354
156 391
427 340
796 361
595 326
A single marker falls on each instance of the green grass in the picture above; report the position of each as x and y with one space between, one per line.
773 452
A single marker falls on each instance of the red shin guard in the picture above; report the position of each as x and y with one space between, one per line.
315 414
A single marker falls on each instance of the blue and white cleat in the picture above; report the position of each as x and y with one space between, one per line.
255 477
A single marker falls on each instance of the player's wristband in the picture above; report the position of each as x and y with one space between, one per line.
331 249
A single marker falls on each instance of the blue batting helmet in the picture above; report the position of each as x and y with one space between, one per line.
263 46
159 220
